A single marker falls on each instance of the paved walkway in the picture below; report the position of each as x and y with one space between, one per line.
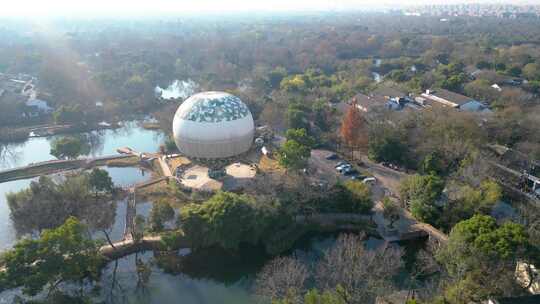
164 166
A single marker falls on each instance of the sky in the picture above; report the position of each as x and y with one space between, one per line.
148 7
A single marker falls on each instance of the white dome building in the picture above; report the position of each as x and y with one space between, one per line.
213 125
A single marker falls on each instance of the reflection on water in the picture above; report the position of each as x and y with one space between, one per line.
8 234
165 287
127 176
120 176
102 142
203 277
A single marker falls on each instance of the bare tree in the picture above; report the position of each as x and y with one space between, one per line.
282 278
362 274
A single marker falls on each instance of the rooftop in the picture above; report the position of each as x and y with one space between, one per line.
365 103
441 95
213 107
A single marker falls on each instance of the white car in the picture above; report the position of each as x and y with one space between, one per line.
344 168
369 180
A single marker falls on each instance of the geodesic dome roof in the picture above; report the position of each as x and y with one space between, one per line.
212 107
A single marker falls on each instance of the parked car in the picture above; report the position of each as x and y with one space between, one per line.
350 171
341 163
369 180
332 156
342 169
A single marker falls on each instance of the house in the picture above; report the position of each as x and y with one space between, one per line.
396 99
445 98
367 103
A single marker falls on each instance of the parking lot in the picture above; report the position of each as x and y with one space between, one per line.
387 180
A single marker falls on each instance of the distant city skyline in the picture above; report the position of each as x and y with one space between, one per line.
154 7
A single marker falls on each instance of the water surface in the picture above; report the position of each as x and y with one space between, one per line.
120 176
104 142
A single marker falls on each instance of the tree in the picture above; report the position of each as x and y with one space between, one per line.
293 155
468 201
68 147
139 224
300 136
361 196
297 116
390 211
229 219
362 274
480 258
314 296
64 254
386 144
100 180
532 71
68 114
421 192
47 204
427 188
294 84
353 128
161 212
283 278
432 164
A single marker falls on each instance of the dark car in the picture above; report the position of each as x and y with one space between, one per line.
350 171
332 156
357 176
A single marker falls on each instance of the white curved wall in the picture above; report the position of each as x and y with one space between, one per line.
213 140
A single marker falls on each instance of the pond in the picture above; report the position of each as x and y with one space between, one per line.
207 277
211 276
120 176
177 89
104 142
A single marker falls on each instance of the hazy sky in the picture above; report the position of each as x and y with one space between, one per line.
130 7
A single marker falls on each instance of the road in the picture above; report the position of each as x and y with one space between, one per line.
387 184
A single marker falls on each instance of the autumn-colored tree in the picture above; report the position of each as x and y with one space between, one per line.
353 128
